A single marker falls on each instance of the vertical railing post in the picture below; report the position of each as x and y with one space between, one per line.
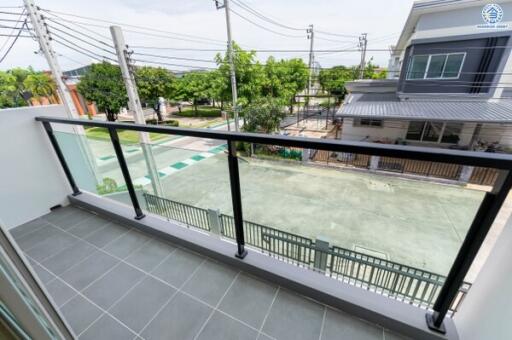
114 137
236 197
62 160
475 236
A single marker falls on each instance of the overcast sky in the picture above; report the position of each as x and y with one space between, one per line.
382 20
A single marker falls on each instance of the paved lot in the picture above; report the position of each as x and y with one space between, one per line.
416 223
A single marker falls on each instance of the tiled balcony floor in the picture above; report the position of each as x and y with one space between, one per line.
114 282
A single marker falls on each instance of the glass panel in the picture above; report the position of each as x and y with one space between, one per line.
418 67
435 68
415 130
291 208
432 131
93 163
453 65
451 133
193 178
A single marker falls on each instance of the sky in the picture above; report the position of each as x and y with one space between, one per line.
382 20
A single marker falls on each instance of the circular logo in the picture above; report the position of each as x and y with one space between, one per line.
492 13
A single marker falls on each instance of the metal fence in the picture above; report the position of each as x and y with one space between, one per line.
184 213
394 280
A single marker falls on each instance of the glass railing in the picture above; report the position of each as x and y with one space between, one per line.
404 222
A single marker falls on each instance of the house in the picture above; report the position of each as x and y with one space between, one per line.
449 81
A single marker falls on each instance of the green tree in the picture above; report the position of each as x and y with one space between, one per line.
7 90
285 79
20 74
103 84
154 82
333 80
193 86
250 75
263 115
40 84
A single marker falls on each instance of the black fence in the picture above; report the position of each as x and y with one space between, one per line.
448 294
394 280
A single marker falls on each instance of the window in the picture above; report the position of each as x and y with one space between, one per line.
436 66
437 132
366 122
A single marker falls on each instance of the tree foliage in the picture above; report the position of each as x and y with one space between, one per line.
154 82
194 86
103 84
263 115
17 81
40 84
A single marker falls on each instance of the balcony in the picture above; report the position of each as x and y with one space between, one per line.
214 251
112 281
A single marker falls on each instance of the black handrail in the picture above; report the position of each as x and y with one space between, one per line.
480 226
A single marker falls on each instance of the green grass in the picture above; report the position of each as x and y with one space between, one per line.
202 111
125 136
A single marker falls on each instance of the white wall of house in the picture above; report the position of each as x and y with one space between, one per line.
466 133
391 130
486 312
501 133
31 179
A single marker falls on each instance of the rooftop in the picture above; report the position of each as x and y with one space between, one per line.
389 106
113 281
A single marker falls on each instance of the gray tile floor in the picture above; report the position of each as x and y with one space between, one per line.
114 282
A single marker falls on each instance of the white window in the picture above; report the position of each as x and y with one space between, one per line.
436 66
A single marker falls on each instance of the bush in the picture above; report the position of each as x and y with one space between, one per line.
169 122
203 112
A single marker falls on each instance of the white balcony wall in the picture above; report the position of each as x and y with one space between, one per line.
486 311
391 130
31 179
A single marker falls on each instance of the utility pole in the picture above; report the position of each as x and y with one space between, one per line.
123 57
232 72
363 42
311 37
44 39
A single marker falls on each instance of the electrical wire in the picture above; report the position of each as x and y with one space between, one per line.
79 39
251 10
176 58
78 24
152 29
263 27
79 32
84 51
13 30
13 42
170 64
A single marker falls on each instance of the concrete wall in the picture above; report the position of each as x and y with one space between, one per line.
31 179
486 312
390 130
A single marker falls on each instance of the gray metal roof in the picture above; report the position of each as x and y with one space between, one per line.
388 106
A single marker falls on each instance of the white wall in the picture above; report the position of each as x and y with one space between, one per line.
486 313
31 179
390 130
500 133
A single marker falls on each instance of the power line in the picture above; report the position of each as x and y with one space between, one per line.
13 42
84 51
247 8
13 30
152 29
337 34
78 24
263 27
170 64
177 58
79 39
78 32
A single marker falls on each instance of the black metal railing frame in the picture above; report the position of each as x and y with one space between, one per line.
487 212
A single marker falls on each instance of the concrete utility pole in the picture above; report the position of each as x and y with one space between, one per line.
135 106
311 37
363 42
51 57
232 72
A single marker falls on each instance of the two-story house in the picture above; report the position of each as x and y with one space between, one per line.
449 81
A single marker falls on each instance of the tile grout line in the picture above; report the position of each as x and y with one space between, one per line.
217 305
323 324
268 311
170 299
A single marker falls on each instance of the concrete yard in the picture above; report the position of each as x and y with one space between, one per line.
417 223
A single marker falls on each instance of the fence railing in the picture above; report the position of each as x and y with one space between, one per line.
490 206
392 279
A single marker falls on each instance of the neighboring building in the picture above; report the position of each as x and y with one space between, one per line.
71 78
449 81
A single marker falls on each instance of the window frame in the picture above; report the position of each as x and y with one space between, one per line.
357 123
441 133
409 67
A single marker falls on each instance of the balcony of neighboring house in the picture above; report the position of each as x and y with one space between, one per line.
192 238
